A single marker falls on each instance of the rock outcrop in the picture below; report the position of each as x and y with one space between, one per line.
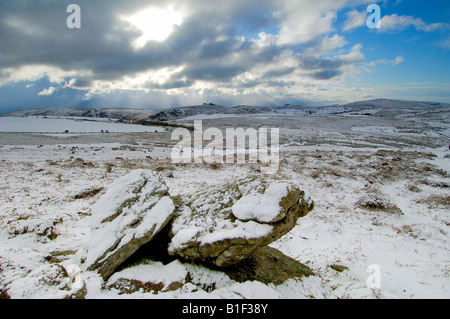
223 226
227 227
133 210
268 265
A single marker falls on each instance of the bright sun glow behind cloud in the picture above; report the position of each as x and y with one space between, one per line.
155 24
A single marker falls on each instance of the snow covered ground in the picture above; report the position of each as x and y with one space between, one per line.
35 124
380 185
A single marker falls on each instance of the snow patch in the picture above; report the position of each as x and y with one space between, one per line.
154 272
264 208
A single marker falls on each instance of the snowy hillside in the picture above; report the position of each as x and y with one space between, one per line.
35 124
370 107
378 172
109 113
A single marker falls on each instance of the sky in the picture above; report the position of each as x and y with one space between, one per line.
158 54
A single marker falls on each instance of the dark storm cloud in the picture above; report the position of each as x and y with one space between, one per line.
327 68
81 83
172 83
35 32
326 74
279 72
218 42
217 49
213 71
320 63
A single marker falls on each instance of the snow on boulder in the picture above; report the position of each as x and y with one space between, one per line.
264 208
224 225
133 210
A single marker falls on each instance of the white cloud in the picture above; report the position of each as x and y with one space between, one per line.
302 30
355 55
446 44
48 91
393 22
355 19
265 40
35 72
396 22
399 59
302 21
325 46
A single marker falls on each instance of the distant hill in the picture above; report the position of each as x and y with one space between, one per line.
381 107
207 109
187 111
100 113
370 107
